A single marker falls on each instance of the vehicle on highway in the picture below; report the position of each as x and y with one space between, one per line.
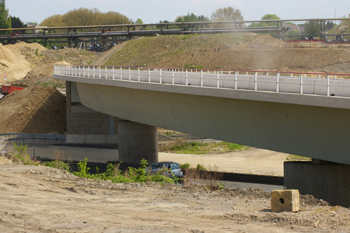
168 167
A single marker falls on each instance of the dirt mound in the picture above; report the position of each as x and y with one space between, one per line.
233 51
264 42
33 52
12 63
35 109
41 74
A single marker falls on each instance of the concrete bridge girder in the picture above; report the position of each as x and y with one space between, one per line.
312 131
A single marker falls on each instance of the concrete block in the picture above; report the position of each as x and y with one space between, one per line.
285 200
112 139
75 138
96 139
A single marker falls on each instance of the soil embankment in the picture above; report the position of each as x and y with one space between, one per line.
36 109
233 51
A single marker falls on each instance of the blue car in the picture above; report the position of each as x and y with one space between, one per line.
168 167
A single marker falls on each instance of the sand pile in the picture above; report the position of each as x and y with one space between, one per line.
12 63
35 109
33 52
265 42
42 73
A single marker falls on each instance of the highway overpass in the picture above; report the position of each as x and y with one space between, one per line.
279 111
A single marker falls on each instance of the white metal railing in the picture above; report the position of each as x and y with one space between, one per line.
286 82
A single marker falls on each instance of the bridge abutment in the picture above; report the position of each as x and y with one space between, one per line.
86 126
137 142
327 181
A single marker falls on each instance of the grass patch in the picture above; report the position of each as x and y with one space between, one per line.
183 147
112 173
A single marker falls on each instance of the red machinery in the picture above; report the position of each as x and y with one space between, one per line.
7 89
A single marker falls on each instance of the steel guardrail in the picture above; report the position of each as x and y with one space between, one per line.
255 80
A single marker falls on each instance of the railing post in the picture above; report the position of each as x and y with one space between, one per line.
201 78
106 72
79 71
129 74
160 76
121 73
256 81
93 72
301 84
335 76
218 79
88 71
84 71
99 72
277 82
327 85
267 73
149 75
113 72
186 78
236 80
173 77
138 75
66 70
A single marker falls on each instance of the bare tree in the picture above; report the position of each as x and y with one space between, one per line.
227 14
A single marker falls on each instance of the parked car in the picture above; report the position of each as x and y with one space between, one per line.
169 167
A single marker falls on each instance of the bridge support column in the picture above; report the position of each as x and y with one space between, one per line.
327 181
137 141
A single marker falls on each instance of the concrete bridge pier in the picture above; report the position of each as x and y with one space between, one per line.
137 142
324 180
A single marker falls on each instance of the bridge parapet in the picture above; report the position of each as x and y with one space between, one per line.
324 84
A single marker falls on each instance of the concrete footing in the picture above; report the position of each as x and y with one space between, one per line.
330 182
137 141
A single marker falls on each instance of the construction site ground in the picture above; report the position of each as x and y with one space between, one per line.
41 199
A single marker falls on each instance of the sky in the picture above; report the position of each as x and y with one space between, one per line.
152 11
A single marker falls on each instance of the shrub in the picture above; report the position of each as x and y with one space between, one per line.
22 154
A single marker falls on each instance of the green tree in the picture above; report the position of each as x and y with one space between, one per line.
85 17
16 22
179 19
270 17
202 18
227 14
5 19
139 21
80 17
190 18
266 24
312 27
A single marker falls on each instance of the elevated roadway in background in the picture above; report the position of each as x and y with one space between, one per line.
77 34
296 115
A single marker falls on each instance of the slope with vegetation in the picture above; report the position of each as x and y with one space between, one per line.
232 51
